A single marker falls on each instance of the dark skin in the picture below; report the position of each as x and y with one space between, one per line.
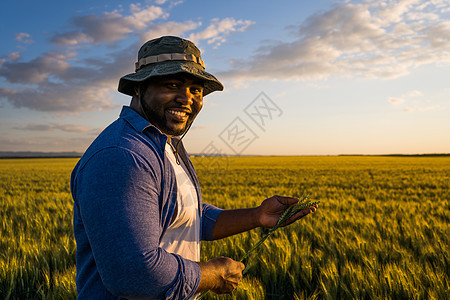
172 103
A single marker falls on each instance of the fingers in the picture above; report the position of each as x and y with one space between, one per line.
301 214
229 274
286 200
235 275
272 208
232 281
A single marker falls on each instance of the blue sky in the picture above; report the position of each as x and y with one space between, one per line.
301 77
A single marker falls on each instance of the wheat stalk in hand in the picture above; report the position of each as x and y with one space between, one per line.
288 213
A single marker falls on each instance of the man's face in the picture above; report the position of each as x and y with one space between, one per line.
172 102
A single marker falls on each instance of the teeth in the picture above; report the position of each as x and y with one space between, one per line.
178 113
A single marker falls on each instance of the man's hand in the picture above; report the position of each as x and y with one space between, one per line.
235 221
270 210
220 275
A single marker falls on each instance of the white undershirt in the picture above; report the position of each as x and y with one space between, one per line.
183 234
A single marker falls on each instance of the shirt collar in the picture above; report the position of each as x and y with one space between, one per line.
134 119
140 124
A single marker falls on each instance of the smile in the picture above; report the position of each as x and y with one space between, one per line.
177 113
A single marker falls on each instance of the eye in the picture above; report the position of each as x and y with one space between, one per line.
171 85
197 90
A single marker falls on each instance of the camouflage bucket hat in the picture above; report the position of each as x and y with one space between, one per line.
165 56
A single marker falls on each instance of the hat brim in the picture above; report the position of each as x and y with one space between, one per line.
128 82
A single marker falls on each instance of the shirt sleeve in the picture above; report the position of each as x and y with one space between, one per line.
210 213
118 197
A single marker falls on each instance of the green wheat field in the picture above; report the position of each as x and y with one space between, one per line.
381 231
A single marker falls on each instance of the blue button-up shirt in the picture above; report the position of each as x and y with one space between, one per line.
124 192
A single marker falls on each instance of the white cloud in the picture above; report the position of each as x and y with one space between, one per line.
110 26
60 98
402 29
14 56
24 38
414 93
36 127
396 101
55 126
141 17
59 81
439 35
45 143
168 28
37 70
51 83
70 38
418 16
219 29
404 97
374 39
411 102
394 11
93 28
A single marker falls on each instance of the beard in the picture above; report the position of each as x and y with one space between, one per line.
158 119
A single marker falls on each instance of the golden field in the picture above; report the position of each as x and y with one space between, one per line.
381 231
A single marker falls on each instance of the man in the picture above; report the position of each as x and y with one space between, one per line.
138 211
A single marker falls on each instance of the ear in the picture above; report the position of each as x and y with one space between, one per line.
137 91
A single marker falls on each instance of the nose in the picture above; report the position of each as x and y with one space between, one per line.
185 96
